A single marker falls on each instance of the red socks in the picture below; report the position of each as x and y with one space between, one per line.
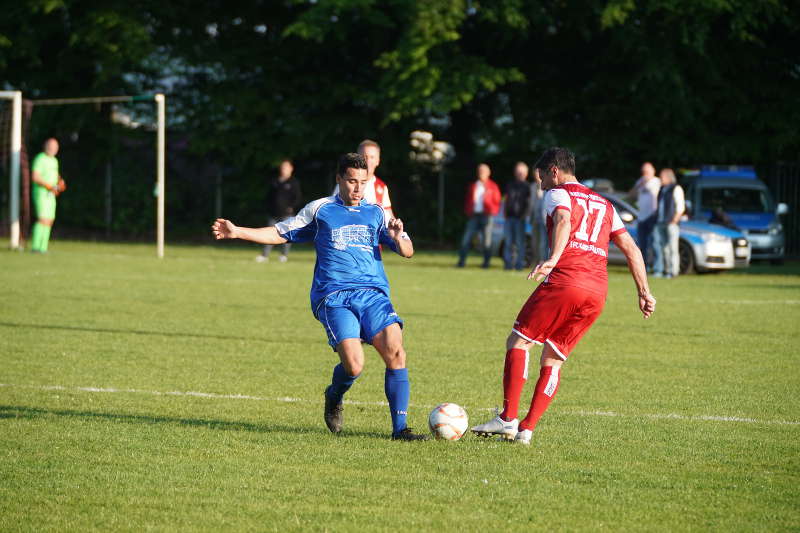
546 388
515 374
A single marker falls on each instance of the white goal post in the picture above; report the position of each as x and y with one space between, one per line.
16 145
14 167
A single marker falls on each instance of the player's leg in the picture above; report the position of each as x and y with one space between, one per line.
45 205
389 344
543 393
343 331
515 374
41 234
580 310
381 325
351 357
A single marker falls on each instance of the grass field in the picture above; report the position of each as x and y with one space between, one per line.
186 394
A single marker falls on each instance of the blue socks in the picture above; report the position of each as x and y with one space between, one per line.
397 390
396 387
340 383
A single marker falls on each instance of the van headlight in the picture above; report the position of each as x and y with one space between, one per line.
775 229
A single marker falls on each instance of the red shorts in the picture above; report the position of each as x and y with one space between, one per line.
558 315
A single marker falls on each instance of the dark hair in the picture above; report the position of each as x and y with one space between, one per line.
561 158
351 160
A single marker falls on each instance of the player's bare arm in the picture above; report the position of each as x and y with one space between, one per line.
561 230
647 302
225 229
400 237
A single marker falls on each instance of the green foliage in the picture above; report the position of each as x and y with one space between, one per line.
100 341
674 81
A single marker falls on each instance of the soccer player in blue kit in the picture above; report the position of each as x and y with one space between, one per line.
350 292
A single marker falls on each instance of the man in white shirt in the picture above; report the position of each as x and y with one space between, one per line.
646 192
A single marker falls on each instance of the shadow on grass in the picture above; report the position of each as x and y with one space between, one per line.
16 411
788 268
155 333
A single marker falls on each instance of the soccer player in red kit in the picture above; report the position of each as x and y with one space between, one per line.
580 224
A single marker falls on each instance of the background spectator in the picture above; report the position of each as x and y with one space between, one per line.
47 185
283 198
671 206
646 192
517 211
540 244
481 203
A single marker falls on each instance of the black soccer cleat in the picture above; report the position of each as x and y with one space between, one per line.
408 435
334 414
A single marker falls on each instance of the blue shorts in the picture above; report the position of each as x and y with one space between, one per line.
356 314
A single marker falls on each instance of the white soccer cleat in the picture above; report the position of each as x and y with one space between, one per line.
262 259
283 259
497 426
523 437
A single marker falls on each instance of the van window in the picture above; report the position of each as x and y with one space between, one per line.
733 199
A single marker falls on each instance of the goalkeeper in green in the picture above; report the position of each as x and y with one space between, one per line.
47 184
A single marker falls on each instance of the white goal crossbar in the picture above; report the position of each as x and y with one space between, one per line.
16 145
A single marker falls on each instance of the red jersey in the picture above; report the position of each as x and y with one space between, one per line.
594 222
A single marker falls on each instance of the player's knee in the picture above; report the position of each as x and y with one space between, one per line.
395 357
514 341
353 368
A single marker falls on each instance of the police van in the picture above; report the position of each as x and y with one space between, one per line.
734 196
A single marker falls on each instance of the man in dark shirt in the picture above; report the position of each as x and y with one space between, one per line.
517 211
283 198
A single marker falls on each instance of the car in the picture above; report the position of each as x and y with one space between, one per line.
735 193
703 247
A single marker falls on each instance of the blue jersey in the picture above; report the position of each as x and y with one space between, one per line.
346 239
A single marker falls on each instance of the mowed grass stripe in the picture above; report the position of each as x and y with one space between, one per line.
235 396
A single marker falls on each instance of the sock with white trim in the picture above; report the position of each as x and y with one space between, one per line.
546 389
515 374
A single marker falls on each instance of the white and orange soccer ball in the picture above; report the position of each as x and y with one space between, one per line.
448 421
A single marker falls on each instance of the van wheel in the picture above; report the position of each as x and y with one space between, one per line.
776 262
686 255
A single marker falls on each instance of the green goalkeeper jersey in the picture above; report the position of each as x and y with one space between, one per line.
47 167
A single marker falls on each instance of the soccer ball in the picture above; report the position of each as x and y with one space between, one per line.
448 421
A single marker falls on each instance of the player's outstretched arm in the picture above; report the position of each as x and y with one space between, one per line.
647 302
400 237
225 229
